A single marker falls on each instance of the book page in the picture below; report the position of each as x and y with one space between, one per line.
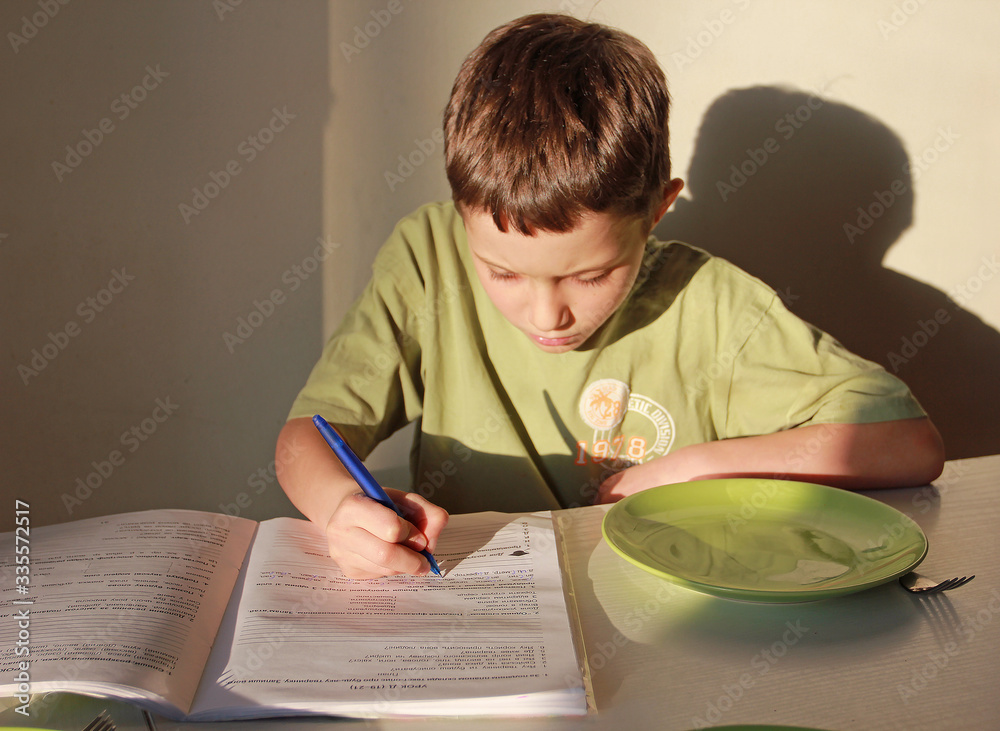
491 636
134 599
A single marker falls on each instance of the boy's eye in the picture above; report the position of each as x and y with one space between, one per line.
594 281
501 276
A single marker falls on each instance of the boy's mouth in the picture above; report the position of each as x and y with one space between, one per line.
553 342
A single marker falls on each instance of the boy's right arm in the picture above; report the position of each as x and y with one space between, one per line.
366 539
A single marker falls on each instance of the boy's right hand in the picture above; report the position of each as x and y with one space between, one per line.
368 540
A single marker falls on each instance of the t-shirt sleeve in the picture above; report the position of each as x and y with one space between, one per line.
367 381
788 373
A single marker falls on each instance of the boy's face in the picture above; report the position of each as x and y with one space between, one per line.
558 288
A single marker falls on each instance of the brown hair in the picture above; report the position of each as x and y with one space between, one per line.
551 117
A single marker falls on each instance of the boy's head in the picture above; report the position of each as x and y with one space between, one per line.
556 151
552 117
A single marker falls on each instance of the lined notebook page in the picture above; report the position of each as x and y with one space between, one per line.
490 636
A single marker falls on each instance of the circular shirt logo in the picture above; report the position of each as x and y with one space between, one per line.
604 403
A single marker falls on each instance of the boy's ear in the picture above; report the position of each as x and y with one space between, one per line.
670 192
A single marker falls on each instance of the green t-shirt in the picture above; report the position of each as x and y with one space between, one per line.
698 351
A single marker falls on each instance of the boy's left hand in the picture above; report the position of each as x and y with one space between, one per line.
665 470
608 492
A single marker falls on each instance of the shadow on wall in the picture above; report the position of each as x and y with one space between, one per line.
809 195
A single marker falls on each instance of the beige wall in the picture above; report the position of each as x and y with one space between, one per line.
349 87
154 358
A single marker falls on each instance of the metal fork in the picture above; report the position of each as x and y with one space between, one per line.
917 584
102 722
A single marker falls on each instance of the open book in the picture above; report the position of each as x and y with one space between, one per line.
200 616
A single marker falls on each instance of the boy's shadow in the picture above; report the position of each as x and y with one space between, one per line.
775 185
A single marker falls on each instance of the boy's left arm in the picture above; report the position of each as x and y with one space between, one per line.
900 453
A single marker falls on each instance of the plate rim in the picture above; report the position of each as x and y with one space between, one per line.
763 595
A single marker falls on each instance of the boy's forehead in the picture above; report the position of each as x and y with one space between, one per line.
597 240
590 222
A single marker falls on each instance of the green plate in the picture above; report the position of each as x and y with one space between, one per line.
764 540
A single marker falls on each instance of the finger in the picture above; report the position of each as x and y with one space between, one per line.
368 536
425 516
607 494
362 555
382 522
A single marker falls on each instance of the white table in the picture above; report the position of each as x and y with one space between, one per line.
667 658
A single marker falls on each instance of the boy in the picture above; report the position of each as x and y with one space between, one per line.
546 343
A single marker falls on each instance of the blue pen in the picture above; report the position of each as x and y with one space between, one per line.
361 475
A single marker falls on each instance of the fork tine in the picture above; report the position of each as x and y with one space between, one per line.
97 723
102 722
943 586
951 584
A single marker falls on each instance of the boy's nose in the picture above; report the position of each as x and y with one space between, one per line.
549 312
